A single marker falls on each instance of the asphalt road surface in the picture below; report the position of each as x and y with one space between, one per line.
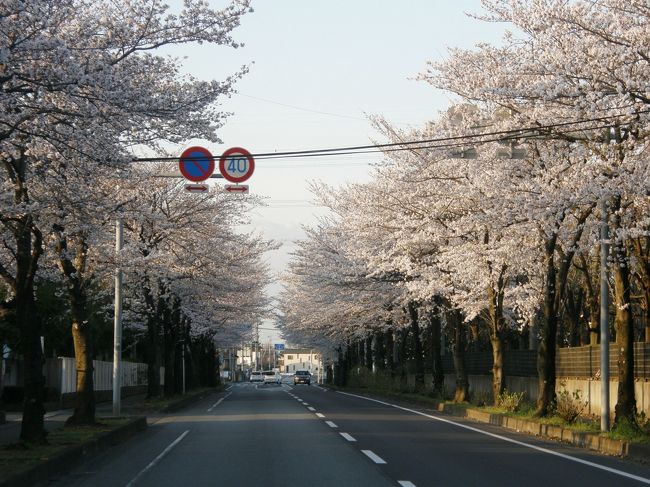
281 435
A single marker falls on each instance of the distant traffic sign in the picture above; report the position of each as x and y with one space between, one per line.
279 346
236 165
196 164
236 188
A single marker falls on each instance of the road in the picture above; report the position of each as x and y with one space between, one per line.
280 435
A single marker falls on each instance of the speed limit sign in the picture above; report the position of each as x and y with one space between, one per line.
236 165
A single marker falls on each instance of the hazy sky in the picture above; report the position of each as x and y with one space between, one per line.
317 69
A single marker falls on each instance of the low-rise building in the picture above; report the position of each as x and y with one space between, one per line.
292 359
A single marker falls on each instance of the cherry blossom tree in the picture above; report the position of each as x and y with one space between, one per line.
570 62
79 76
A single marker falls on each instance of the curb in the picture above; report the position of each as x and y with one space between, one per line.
590 441
74 455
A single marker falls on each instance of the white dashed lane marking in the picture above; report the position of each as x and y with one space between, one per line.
331 424
373 456
347 436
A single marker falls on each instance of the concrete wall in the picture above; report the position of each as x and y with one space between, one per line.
481 385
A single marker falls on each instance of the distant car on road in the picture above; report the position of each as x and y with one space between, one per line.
302 377
272 377
256 376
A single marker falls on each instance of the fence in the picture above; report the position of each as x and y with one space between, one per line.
133 374
577 370
581 362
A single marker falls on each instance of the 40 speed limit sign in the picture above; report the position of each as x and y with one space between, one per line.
236 165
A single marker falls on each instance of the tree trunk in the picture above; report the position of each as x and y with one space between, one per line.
32 427
547 345
28 250
438 381
625 409
641 249
402 359
390 348
153 358
417 346
495 323
368 352
593 301
553 292
73 270
84 411
462 382
380 352
626 402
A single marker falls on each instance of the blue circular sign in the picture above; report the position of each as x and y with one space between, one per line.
196 164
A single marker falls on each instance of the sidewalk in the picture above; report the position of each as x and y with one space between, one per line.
10 431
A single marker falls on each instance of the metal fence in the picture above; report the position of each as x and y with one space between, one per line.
133 374
583 362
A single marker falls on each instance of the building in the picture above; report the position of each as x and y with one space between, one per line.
292 359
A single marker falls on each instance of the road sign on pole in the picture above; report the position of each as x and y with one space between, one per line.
196 164
236 165
279 346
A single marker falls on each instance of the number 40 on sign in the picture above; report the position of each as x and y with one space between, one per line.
236 165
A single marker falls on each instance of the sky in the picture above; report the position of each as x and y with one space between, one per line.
317 70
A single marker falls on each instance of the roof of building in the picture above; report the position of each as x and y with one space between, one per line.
296 351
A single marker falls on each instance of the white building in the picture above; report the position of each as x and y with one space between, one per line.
292 359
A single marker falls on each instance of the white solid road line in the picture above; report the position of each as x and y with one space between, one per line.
157 459
331 424
320 415
347 437
406 483
373 456
510 440
218 402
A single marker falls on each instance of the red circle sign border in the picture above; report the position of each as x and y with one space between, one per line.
186 154
243 152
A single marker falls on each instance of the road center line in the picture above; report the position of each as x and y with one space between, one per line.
348 437
331 424
158 458
509 440
373 456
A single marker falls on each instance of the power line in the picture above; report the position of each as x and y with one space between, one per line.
435 143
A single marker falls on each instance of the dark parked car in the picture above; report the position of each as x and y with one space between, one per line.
302 377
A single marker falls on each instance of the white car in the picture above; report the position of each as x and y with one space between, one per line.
256 376
272 377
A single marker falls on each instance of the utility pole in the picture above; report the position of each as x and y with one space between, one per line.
117 321
604 317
